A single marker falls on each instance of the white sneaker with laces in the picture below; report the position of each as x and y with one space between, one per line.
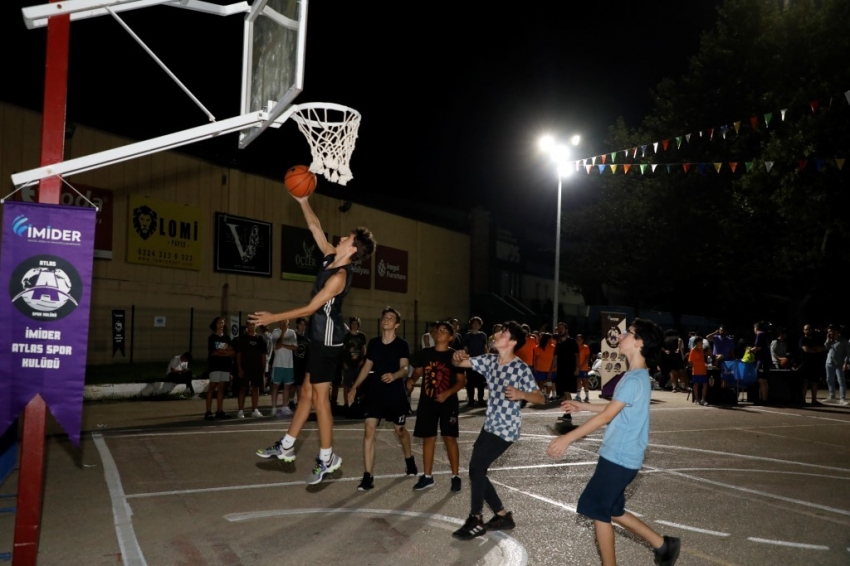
256 413
843 402
285 413
240 415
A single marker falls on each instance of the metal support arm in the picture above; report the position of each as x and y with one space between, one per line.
37 16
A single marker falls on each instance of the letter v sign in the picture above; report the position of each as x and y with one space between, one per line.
238 241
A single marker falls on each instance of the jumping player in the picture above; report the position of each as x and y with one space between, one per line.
325 332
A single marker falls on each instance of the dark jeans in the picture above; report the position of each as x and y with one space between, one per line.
485 451
185 379
474 380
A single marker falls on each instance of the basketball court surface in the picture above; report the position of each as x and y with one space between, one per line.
154 484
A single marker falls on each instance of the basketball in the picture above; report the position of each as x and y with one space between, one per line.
300 181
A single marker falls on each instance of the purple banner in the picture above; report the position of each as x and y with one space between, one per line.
45 287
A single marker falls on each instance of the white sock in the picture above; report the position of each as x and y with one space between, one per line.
325 454
287 442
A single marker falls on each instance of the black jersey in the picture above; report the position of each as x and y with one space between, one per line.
326 326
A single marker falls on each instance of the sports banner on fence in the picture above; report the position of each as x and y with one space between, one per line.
390 269
118 326
165 234
45 273
300 256
613 362
242 245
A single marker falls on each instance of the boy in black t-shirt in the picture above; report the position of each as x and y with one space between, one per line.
438 404
387 357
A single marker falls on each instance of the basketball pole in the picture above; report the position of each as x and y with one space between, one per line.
31 473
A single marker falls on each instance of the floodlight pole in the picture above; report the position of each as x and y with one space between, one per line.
557 259
31 471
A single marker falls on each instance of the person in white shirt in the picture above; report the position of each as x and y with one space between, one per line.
283 368
427 340
179 372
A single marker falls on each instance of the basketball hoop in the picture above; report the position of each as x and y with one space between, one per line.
331 130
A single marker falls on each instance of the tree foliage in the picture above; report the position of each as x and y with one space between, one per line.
757 244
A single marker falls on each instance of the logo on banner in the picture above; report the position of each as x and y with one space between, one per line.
248 251
144 221
382 268
306 260
45 287
22 227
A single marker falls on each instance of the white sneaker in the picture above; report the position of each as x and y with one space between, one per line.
829 399
256 413
240 415
285 413
843 402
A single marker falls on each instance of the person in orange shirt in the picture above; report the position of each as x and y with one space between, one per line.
544 353
583 368
526 353
699 371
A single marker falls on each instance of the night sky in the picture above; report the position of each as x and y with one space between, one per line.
453 99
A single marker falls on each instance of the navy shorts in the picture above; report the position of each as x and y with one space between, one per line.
322 362
605 494
699 379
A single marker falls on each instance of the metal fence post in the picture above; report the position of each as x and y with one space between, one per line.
132 330
191 325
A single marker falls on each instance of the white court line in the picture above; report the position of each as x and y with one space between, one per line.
569 508
695 529
747 470
514 552
791 544
131 553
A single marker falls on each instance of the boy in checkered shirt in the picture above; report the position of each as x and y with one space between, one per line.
510 382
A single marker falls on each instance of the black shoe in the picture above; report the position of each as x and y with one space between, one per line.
668 558
501 523
424 482
470 403
367 483
410 466
220 415
473 527
566 417
208 416
455 483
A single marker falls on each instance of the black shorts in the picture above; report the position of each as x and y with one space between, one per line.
250 380
349 375
675 361
429 414
605 494
565 382
391 410
322 362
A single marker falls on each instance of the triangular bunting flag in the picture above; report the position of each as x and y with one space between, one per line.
840 163
678 142
802 164
642 168
588 167
754 122
847 96
625 153
686 166
601 169
626 168
819 165
768 165
634 152
749 165
814 105
664 144
737 126
668 167
604 157
613 169
701 168
711 133
655 147
613 157
723 130
767 118
688 138
717 167
783 111
643 151
654 165
593 160
733 165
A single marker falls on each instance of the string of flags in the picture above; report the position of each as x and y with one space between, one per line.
710 133
701 168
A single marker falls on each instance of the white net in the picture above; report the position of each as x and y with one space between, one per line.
331 130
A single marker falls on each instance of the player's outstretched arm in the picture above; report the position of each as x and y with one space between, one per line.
333 286
558 446
315 226
461 359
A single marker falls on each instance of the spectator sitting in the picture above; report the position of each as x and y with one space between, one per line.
179 372
779 350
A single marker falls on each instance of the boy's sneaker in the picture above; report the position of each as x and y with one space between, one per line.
843 402
566 417
240 414
367 483
410 465
455 483
587 399
668 558
830 399
277 451
473 527
424 483
220 415
284 413
208 416
256 413
321 468
499 523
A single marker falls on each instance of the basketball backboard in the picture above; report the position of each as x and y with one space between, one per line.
272 60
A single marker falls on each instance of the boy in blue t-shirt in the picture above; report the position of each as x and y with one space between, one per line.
623 446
